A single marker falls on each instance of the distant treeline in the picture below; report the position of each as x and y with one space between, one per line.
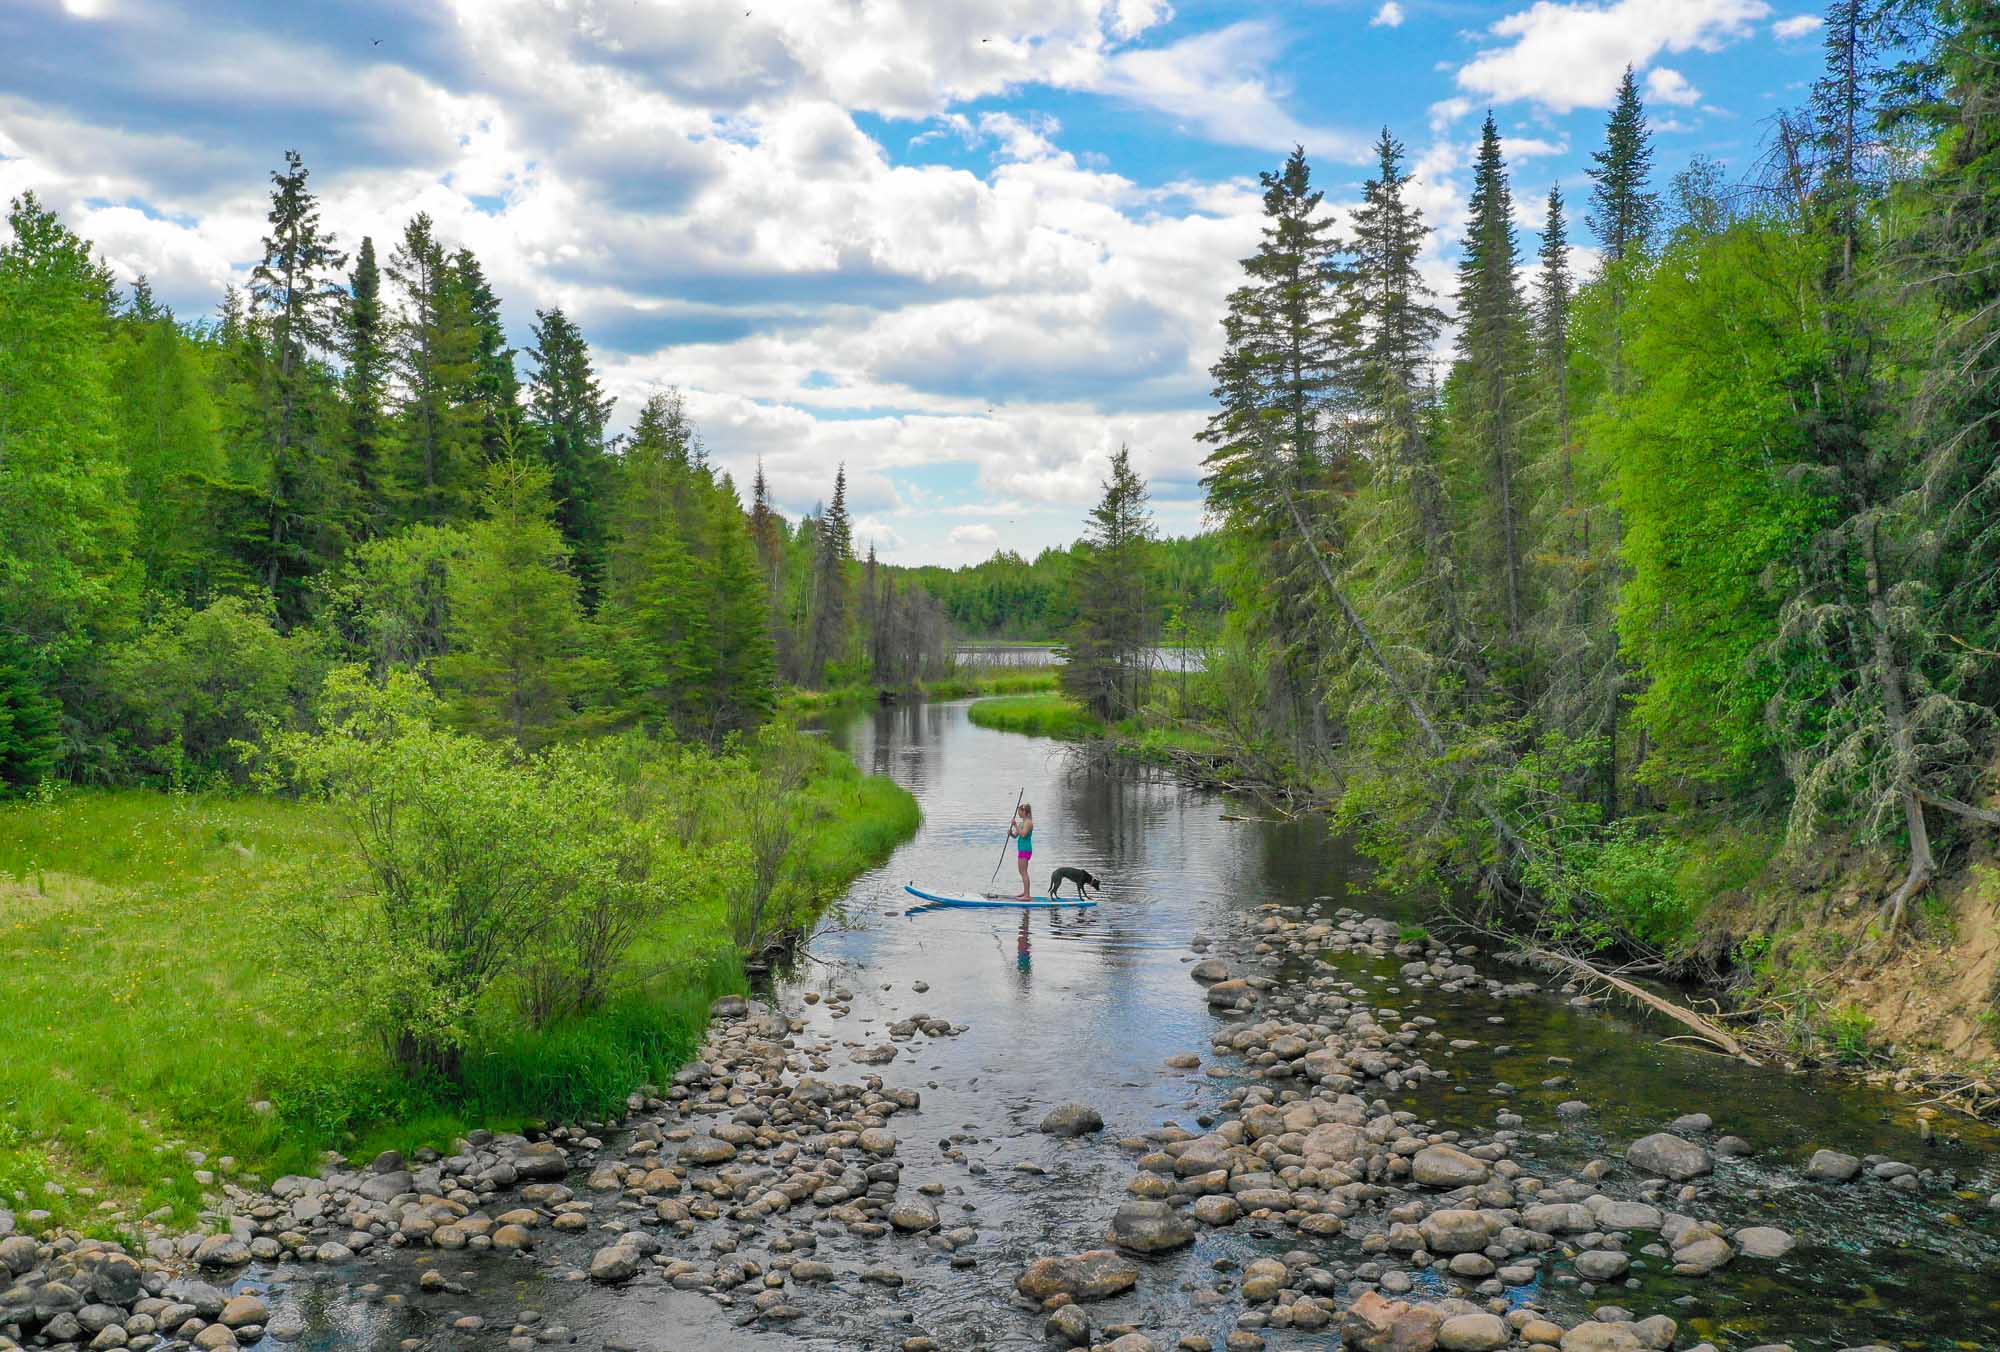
1009 597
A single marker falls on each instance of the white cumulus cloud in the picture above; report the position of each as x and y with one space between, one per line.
1565 56
1664 84
1389 16
1796 27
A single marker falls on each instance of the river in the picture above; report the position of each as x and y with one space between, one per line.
1089 1006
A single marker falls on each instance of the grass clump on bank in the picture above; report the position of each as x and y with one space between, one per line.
228 974
964 684
1047 715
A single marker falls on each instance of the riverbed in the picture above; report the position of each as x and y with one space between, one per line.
1089 1006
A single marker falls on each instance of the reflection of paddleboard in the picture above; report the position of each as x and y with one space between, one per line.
988 901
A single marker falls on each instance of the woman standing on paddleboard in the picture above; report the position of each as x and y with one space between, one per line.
1022 829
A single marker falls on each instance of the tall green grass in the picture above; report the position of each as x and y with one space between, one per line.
143 1012
1037 715
964 684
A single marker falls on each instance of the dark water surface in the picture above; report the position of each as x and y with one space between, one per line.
1069 1006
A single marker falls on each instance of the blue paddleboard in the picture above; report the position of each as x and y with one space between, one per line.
991 903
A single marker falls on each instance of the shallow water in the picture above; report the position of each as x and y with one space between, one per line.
1087 1006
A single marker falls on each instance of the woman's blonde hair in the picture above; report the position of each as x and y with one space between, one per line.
1028 808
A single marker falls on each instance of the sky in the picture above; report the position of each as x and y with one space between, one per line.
968 248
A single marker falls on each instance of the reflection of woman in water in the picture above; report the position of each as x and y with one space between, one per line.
1021 947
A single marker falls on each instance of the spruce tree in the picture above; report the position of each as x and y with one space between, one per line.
1282 388
743 690
1492 372
30 720
495 388
871 615
1287 344
434 344
365 348
569 409
1418 563
295 291
1623 205
517 663
1110 649
832 590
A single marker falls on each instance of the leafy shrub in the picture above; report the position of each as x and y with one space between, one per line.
198 688
480 868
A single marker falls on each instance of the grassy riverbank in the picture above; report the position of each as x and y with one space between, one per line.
978 681
149 1012
1042 715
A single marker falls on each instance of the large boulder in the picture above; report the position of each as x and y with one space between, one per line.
1233 994
1831 1166
1458 1231
1097 1274
1210 969
1480 1332
1669 1156
1593 1336
1374 1323
705 1150
116 1280
1763 1241
1072 1119
1446 1166
1335 1143
614 1263
1602 1265
542 1159
1150 1227
1559 1218
221 1251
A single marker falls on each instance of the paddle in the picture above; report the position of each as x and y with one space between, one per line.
1003 844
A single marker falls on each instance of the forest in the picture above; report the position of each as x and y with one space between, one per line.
466 711
1035 601
201 518
1681 555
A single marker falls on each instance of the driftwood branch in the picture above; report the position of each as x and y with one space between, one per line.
1708 1031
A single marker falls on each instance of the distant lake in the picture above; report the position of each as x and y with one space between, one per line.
1050 654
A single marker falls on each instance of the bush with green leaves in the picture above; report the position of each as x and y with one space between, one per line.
482 872
198 688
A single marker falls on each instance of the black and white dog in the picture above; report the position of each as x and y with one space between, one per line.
1082 877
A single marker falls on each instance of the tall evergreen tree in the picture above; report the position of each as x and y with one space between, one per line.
296 291
1492 374
517 664
684 607
744 688
570 409
1281 386
1110 649
434 343
833 587
495 388
1407 501
1623 204
366 350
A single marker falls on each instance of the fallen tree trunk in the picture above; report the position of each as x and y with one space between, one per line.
1708 1030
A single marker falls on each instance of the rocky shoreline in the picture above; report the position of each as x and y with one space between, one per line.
769 1180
